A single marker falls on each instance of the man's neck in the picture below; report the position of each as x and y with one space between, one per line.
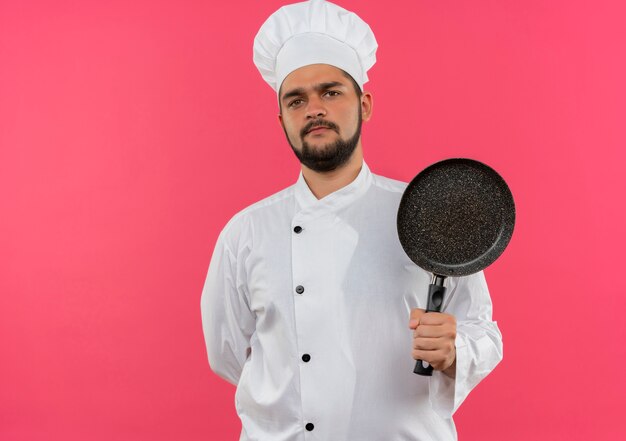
323 184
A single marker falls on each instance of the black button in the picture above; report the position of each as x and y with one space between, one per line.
306 358
299 289
297 229
309 426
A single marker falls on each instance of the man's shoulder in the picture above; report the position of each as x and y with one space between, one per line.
388 184
268 206
270 203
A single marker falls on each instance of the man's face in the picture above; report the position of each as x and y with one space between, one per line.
321 115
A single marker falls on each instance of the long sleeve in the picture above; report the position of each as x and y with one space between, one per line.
227 320
478 343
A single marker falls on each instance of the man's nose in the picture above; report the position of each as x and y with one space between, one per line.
315 108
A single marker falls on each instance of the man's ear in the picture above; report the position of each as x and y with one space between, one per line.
367 105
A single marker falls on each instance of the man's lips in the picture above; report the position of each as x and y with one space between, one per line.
317 129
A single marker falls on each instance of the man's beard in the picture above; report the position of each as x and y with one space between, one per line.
330 156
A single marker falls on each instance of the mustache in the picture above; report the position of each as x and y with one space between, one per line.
318 123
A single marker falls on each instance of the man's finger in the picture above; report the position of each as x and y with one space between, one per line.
432 357
436 318
414 319
429 344
429 331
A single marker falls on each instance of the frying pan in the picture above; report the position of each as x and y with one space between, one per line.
455 218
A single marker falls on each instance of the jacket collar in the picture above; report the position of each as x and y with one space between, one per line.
307 203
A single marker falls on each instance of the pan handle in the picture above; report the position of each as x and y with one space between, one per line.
436 291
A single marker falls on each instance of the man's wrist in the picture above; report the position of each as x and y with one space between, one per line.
450 371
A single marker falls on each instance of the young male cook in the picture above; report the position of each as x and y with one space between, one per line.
311 307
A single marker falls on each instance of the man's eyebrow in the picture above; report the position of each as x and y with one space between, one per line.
294 92
329 85
318 88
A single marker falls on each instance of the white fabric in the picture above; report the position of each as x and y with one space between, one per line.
313 32
352 319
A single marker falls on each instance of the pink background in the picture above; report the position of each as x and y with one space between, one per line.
130 132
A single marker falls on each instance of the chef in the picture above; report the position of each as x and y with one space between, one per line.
310 306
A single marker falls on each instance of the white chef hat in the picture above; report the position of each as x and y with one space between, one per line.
313 32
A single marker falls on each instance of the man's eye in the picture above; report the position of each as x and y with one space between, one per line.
295 103
332 93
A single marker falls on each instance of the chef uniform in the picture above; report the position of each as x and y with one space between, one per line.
307 301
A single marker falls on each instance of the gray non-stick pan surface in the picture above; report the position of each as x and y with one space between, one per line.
455 218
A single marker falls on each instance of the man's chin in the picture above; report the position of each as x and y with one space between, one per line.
320 142
320 148
325 153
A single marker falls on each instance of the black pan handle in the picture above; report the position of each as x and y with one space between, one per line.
436 291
